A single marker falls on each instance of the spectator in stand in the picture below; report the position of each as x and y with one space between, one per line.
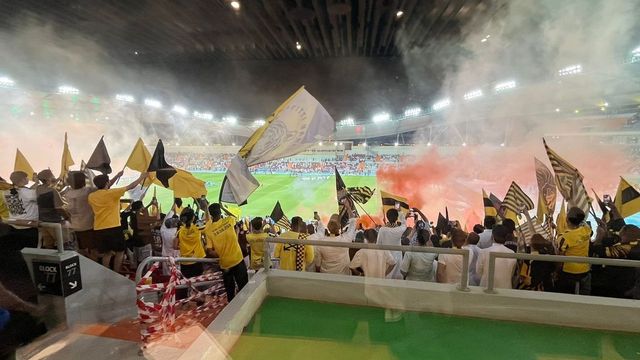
504 268
474 252
105 203
575 277
372 263
177 206
621 280
22 204
295 257
189 241
51 209
335 260
168 233
485 237
256 239
391 234
450 265
222 240
419 266
538 275
81 214
511 241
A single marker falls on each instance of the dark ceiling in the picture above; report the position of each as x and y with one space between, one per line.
165 31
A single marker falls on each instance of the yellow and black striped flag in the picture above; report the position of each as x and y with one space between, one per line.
390 201
278 216
489 209
516 200
606 217
361 194
627 199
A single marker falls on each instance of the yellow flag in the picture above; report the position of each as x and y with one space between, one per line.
542 210
510 214
561 220
489 209
390 201
139 158
22 164
627 199
67 160
183 184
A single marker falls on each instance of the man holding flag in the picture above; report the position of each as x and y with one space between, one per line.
105 203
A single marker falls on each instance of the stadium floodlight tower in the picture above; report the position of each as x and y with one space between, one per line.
412 111
635 55
180 110
505 85
125 98
68 90
6 82
347 122
473 94
441 104
153 103
203 115
381 117
570 70
258 123
231 120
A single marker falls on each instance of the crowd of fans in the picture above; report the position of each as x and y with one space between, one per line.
354 164
95 222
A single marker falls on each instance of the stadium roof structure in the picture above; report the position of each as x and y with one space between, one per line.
163 31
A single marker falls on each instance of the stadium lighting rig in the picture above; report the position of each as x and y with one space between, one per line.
203 115
381 117
505 85
153 103
6 82
441 104
68 90
235 5
473 94
258 123
635 55
413 111
125 98
231 120
181 110
570 70
347 122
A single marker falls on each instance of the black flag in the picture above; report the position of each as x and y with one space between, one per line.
100 160
343 196
163 170
278 216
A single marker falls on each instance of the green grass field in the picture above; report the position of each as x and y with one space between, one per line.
296 195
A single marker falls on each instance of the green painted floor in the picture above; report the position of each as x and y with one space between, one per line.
297 329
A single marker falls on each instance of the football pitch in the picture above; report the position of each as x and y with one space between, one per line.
299 195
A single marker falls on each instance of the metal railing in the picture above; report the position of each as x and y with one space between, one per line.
464 278
40 224
552 258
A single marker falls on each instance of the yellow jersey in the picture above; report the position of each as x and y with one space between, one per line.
575 242
287 253
106 207
256 241
190 242
221 237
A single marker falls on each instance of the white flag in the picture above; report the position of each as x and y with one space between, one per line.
298 124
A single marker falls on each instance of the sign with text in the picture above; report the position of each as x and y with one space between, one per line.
58 278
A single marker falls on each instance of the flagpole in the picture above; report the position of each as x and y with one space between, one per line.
124 167
361 207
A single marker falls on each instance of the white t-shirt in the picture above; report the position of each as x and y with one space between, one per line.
79 208
335 260
393 236
504 267
374 263
418 266
485 239
23 205
453 267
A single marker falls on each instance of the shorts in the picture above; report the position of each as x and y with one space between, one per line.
86 239
111 239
